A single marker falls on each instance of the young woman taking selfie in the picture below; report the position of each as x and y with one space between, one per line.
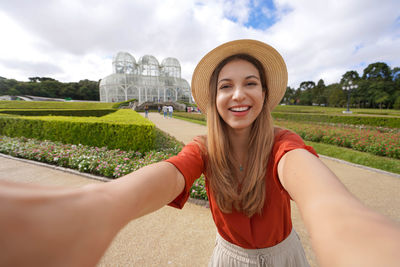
252 171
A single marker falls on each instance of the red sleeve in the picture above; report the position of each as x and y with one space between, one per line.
286 141
190 163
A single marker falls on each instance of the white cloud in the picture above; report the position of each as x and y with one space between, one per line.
71 40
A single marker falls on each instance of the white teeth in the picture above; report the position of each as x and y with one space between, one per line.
239 109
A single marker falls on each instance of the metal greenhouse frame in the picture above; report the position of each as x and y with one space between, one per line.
145 80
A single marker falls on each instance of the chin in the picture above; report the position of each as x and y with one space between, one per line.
238 126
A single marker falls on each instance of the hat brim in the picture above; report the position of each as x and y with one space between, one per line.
274 67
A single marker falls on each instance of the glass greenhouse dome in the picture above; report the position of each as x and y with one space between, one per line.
146 80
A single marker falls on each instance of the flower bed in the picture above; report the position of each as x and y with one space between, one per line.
384 142
99 161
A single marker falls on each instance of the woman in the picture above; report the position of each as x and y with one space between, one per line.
241 153
252 171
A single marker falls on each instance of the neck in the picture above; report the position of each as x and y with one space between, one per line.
239 139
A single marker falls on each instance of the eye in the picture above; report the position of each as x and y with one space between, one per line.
224 86
252 83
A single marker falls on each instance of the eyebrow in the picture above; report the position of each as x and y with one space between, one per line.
248 77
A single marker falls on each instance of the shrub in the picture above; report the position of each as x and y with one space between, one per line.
124 129
124 103
192 116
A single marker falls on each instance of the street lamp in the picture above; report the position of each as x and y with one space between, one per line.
349 86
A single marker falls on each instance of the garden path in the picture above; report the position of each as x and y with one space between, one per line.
171 237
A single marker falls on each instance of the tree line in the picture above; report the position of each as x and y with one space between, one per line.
49 87
378 87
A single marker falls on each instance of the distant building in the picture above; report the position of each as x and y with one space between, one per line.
146 80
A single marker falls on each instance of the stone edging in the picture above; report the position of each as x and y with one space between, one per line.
58 168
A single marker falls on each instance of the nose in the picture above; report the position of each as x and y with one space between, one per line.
238 93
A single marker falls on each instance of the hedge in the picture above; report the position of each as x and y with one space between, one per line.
190 115
390 122
123 103
123 129
17 104
59 112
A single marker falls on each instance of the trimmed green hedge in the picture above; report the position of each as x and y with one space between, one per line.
390 122
18 104
123 129
192 116
123 103
59 112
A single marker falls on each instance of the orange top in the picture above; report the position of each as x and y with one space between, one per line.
258 231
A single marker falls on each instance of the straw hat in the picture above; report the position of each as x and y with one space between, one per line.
274 66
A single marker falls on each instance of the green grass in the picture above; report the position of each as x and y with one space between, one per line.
5 104
179 116
362 158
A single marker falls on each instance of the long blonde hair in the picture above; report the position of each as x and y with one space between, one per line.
249 195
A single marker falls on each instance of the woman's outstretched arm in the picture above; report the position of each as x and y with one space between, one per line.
42 226
343 231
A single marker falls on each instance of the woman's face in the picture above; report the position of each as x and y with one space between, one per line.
240 96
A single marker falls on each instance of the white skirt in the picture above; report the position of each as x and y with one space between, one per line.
288 253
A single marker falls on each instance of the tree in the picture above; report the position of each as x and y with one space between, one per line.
377 71
337 97
289 98
317 92
396 74
6 85
381 83
352 77
306 92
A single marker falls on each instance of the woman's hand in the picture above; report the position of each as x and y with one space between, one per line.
343 231
42 226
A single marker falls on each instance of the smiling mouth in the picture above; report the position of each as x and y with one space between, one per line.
239 109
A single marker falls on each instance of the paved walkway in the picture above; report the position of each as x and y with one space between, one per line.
171 237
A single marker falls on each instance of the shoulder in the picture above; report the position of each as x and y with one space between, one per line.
286 136
197 146
285 141
190 160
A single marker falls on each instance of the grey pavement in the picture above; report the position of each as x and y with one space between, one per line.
171 237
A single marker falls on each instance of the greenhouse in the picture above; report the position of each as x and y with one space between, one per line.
145 80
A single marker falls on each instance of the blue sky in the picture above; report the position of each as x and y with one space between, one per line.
262 15
76 39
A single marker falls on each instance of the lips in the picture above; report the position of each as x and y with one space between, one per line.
240 108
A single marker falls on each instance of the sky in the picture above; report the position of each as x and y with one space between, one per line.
72 40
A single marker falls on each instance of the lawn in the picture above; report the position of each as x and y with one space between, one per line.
376 147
